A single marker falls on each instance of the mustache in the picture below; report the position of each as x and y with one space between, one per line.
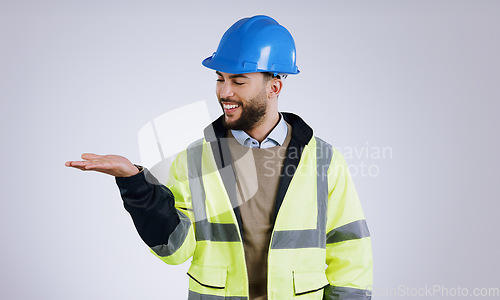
224 100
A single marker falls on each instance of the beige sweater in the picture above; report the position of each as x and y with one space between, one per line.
257 176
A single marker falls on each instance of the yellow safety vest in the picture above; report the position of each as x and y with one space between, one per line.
320 246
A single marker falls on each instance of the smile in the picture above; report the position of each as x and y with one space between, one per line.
230 108
227 106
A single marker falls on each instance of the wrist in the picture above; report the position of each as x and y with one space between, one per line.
140 168
131 171
135 170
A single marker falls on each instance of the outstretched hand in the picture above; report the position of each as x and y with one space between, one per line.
115 165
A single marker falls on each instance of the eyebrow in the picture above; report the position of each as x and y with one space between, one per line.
232 76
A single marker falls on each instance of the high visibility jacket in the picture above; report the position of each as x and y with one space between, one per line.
320 245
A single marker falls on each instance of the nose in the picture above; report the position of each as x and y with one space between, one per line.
225 90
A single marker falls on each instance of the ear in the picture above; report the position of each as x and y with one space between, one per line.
274 87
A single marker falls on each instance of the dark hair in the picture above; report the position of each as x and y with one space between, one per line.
268 76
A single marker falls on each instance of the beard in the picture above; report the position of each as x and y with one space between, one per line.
252 113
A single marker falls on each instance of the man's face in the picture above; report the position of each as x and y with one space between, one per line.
243 99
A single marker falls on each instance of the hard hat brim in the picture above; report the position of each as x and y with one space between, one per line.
229 67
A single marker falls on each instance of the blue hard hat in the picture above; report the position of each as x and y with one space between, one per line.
255 44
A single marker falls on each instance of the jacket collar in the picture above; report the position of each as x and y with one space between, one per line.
216 135
301 132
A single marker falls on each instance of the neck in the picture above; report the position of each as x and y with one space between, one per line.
262 130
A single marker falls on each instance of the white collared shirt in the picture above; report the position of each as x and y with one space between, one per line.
275 138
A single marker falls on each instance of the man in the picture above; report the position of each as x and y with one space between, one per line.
259 203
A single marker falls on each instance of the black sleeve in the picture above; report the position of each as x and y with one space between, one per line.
151 206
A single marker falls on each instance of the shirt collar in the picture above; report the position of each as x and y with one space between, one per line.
276 137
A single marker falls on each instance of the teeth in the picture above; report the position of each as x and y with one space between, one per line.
226 106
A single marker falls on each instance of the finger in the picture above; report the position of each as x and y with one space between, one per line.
76 163
95 165
78 166
98 164
89 166
88 156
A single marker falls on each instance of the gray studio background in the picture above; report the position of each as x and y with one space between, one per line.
420 78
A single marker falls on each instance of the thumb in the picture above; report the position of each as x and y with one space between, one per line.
88 156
